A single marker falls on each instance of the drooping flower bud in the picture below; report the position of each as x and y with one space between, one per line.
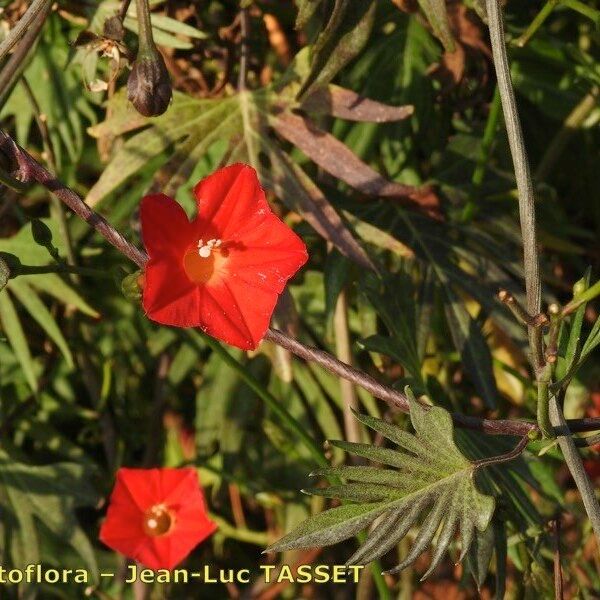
149 84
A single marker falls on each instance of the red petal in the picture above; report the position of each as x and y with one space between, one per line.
231 200
139 487
272 254
236 313
169 297
165 227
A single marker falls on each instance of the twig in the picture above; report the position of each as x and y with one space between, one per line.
531 261
17 63
123 9
575 464
536 23
558 576
20 29
33 171
519 312
494 460
522 175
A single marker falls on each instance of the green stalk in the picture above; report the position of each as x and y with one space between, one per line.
536 23
583 9
488 138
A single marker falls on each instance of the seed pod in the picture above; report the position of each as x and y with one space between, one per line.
149 84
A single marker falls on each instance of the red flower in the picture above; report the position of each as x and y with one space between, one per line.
156 516
224 270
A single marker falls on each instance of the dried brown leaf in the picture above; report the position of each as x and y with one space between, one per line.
338 160
346 104
291 183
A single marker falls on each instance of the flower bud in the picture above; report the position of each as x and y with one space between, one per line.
4 273
132 286
149 84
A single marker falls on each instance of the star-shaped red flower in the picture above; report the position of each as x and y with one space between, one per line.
223 271
156 516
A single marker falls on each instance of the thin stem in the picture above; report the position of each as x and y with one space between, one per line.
502 458
519 312
582 298
31 170
536 23
18 61
558 576
573 460
20 29
123 9
522 175
583 9
532 275
146 41
488 139
344 353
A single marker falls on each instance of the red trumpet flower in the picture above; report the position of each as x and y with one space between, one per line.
223 271
156 516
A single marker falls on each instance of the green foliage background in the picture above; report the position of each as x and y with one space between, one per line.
88 384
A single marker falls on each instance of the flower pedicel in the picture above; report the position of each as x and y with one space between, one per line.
222 271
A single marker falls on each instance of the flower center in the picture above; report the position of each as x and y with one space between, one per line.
201 262
158 520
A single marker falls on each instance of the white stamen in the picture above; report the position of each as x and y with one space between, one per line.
205 249
152 523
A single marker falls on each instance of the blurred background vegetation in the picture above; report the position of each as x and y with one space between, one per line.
88 384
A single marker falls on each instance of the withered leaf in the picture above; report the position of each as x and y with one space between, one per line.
290 182
346 104
338 160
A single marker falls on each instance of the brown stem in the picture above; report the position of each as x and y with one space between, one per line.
558 576
514 453
31 170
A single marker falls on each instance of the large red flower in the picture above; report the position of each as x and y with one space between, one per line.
224 270
156 516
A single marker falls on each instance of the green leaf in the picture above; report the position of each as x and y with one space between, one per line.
11 325
480 553
337 269
437 15
592 340
344 36
431 479
306 9
37 309
393 300
48 494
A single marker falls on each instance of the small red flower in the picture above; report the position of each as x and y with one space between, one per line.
156 516
224 270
